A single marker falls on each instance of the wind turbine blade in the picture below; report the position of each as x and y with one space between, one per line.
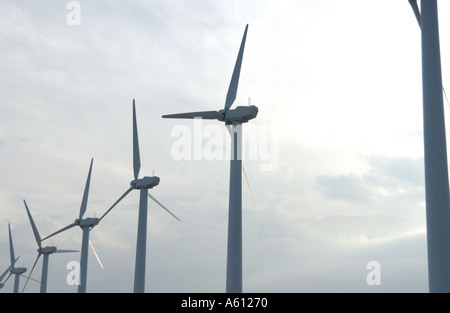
12 265
8 270
65 251
445 95
115 203
31 278
10 273
86 192
5 272
61 230
232 89
153 198
415 8
96 255
33 225
136 157
248 184
11 247
206 115
32 269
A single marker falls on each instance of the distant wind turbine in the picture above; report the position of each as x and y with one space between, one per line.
234 117
86 225
46 251
17 271
435 150
143 184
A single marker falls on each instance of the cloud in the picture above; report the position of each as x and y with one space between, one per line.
348 188
389 196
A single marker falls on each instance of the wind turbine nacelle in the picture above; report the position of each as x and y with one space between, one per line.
88 222
18 270
241 114
146 182
47 250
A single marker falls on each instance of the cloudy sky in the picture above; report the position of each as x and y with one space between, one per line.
334 158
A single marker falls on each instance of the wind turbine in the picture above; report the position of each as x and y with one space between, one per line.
143 184
234 117
86 226
435 150
17 271
46 251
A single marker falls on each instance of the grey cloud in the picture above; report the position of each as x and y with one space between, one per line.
390 174
344 187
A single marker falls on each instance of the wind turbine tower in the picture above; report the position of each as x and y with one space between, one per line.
234 117
17 271
435 150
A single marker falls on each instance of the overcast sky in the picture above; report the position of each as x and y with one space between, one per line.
334 159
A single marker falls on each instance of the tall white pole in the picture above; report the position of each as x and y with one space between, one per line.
234 249
141 245
44 274
435 151
84 260
16 283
